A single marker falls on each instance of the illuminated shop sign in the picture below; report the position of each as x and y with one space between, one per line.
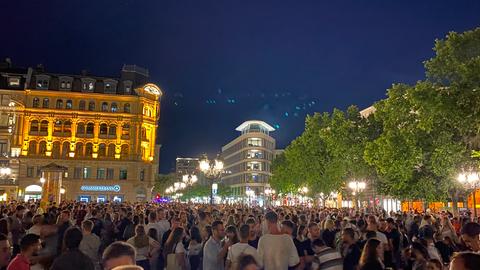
115 188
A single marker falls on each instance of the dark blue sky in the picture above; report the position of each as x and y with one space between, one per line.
222 62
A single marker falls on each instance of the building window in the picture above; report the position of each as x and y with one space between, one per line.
57 127
59 104
88 85
126 108
65 149
124 151
254 142
101 173
114 107
79 149
46 103
30 171
91 106
142 175
77 172
126 130
90 128
104 107
34 127
128 86
111 150
65 83
13 81
3 148
32 148
68 105
110 173
102 150
42 81
36 102
87 173
112 130
89 150
42 148
44 126
103 129
123 174
81 105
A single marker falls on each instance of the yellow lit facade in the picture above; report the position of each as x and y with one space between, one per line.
103 130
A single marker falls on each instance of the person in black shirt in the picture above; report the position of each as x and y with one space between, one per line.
393 255
253 238
351 252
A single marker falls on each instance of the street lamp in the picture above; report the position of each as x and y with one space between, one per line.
42 180
250 194
470 179
303 190
269 192
189 179
212 169
357 187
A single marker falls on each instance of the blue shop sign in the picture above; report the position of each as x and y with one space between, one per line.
115 188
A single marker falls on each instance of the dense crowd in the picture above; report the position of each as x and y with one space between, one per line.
75 235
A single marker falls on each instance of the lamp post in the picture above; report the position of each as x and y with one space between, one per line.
250 194
470 179
357 187
303 191
212 169
269 192
189 179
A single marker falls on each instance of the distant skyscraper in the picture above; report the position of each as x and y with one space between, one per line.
248 158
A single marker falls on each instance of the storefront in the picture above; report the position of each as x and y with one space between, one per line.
33 192
100 194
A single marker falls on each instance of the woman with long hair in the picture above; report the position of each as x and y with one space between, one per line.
232 234
195 248
371 255
174 252
144 245
419 255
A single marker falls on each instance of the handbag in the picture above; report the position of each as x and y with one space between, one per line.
172 263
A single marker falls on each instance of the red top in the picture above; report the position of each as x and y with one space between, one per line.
20 262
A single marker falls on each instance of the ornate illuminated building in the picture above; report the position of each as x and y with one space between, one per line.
102 129
248 158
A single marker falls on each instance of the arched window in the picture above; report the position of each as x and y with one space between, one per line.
59 104
104 107
102 150
46 103
32 148
113 107
91 106
36 102
88 150
67 128
81 105
65 149
69 104
79 149
112 130
80 128
126 108
111 150
42 148
125 130
56 149
90 128
34 127
44 126
103 129
124 151
57 127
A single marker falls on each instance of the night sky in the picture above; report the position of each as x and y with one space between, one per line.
220 63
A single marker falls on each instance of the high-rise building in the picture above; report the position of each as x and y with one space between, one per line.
102 129
189 166
248 158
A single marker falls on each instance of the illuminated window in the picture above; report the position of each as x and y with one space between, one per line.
57 127
67 128
13 81
65 82
103 129
68 105
34 126
254 142
87 173
36 102
88 84
42 81
114 107
101 173
128 86
46 103
126 130
104 107
44 126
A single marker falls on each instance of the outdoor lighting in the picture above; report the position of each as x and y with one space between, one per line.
71 154
5 171
303 190
189 179
62 191
470 179
357 187
42 180
212 169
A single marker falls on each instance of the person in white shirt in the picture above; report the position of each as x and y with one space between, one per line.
90 243
241 249
163 224
145 246
275 249
152 224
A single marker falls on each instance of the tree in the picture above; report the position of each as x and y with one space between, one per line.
163 181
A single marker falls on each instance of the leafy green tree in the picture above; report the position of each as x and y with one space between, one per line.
163 181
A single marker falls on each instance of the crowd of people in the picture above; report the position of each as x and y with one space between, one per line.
176 236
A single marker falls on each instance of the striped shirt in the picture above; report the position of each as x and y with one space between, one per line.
329 259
